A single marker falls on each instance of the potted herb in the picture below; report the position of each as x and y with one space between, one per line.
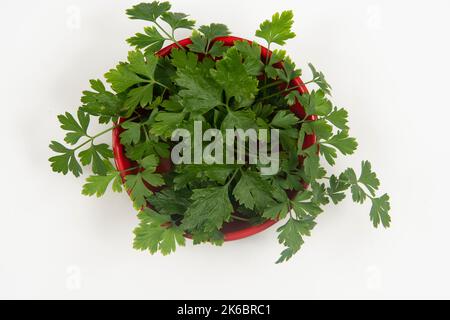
215 138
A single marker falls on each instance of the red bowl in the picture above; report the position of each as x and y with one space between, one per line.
234 230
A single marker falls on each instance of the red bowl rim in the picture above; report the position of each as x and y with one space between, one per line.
123 163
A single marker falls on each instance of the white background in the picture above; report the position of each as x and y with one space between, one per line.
388 63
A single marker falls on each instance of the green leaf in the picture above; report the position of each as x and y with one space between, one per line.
170 202
313 169
345 144
202 39
146 148
150 163
184 60
66 161
369 178
77 129
289 71
358 194
195 173
380 211
211 207
132 133
231 74
97 185
278 30
138 190
252 57
285 120
151 41
253 192
122 78
291 236
200 92
143 65
141 96
315 103
329 153
319 79
214 30
339 117
199 43
166 124
157 233
178 20
96 155
243 119
336 189
148 11
319 193
101 102
320 128
304 207
277 211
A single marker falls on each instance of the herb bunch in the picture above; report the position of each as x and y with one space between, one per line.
225 88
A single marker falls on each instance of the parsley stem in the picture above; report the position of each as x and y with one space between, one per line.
233 176
287 90
91 139
169 36
161 85
239 218
272 84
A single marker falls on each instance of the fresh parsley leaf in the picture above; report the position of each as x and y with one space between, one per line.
319 79
336 189
313 169
214 30
200 92
122 78
339 118
178 20
97 185
277 211
232 75
77 129
157 233
345 144
242 119
279 29
96 155
166 123
291 236
101 102
151 41
315 103
284 120
319 193
170 202
320 128
369 178
252 57
380 211
149 11
253 192
211 207
139 191
289 71
132 133
304 208
203 38
66 161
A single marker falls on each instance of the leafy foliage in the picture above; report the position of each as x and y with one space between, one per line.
224 87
